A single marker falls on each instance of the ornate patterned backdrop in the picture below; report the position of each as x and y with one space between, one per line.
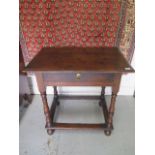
76 23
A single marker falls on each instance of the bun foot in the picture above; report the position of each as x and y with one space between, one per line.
107 133
50 131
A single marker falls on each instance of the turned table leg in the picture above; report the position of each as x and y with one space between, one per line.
102 95
47 113
103 104
111 110
56 97
42 89
111 113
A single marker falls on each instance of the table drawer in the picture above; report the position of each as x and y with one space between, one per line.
80 78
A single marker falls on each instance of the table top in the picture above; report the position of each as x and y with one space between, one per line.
94 59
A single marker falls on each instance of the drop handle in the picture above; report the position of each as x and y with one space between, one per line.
78 75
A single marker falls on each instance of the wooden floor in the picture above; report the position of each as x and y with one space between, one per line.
34 139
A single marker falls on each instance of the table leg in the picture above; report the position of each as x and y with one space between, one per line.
47 114
56 97
103 104
102 96
111 113
111 110
54 104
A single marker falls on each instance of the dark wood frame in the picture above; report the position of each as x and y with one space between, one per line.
107 112
79 67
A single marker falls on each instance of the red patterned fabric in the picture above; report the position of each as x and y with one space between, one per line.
68 23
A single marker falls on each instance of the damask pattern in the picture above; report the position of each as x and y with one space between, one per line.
127 39
55 23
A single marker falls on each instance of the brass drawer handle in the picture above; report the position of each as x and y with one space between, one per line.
78 75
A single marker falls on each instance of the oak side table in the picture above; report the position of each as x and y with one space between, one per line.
76 66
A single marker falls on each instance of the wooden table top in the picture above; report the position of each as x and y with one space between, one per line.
80 59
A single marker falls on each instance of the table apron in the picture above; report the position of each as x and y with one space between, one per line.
79 79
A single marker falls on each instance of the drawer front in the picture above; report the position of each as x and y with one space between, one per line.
78 78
